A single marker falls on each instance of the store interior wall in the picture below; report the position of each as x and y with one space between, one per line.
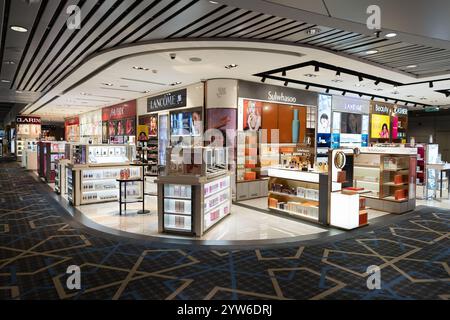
423 125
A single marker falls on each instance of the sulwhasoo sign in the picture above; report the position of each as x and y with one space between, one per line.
280 97
171 100
28 120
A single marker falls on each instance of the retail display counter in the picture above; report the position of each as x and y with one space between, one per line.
389 176
299 194
94 169
60 176
191 205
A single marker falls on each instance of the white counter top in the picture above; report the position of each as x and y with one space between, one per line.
293 174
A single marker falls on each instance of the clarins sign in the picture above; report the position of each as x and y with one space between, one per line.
171 100
28 120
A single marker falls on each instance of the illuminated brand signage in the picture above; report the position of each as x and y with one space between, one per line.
280 97
350 105
400 110
120 111
171 100
271 93
28 120
381 109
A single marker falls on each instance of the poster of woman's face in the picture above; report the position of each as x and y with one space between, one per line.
252 115
153 126
324 120
130 127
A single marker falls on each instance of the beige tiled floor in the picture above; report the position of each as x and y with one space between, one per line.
242 224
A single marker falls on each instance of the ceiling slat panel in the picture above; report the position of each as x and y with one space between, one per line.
280 35
253 20
274 30
208 28
52 37
83 41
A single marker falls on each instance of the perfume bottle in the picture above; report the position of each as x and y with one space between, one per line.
295 127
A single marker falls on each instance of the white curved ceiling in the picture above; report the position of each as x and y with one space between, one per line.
86 88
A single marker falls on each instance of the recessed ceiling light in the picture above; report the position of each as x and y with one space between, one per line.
310 75
371 51
107 84
410 96
337 80
391 35
395 92
9 62
378 89
18 91
213 2
5 81
313 31
140 68
146 91
19 29
411 66
231 66
175 83
195 59
423 98
358 85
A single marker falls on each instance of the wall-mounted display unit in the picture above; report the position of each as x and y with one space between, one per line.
48 152
91 127
72 129
119 123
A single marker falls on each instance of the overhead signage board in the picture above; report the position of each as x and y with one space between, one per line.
350 105
170 100
28 120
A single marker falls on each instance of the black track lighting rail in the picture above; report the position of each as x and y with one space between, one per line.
361 76
343 91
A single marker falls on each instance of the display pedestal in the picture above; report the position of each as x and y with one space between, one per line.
191 205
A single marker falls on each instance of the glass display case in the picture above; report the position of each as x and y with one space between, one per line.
102 154
178 208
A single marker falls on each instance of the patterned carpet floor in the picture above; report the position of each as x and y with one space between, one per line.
39 240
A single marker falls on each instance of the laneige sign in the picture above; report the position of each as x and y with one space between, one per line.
350 105
175 99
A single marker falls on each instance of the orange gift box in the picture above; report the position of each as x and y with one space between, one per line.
250 176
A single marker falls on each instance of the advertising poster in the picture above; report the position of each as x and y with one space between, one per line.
252 115
380 128
222 119
143 132
324 121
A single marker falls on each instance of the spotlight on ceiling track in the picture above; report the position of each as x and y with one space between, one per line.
316 69
263 79
328 90
360 95
283 73
415 105
372 98
307 87
406 104
286 83
447 94
377 82
431 84
360 78
338 73
343 93
396 101
386 99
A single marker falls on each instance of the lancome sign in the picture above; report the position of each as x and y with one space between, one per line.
28 120
171 100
